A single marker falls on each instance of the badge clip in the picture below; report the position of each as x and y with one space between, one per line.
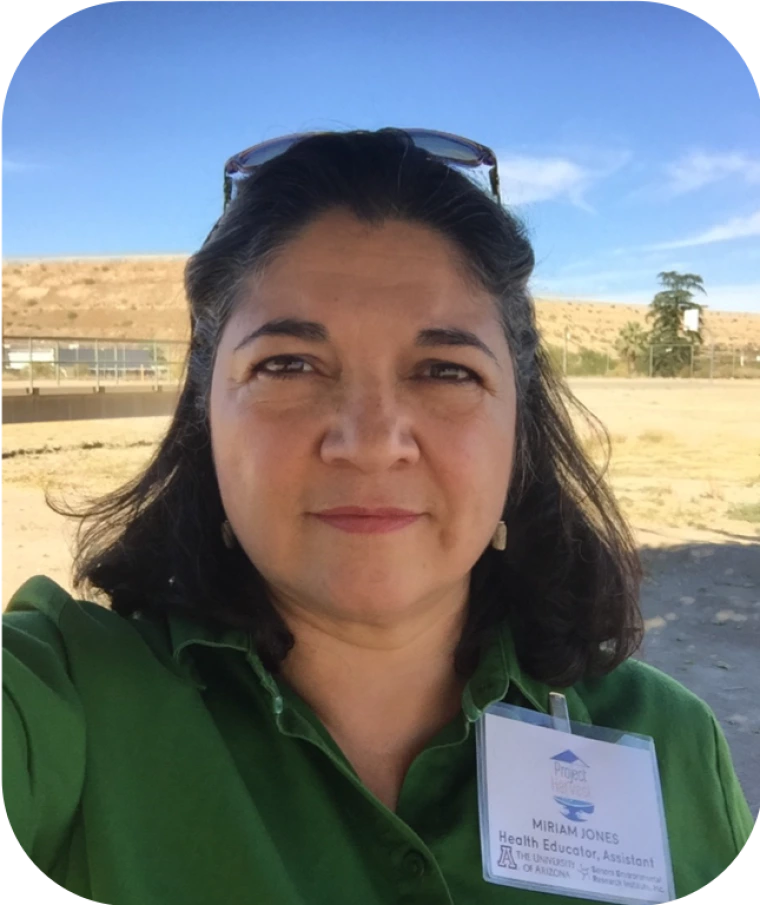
559 712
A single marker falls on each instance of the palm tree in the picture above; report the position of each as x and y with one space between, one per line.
631 342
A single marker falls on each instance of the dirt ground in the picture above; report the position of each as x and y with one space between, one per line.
685 467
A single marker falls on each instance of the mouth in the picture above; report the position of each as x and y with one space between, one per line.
357 520
364 512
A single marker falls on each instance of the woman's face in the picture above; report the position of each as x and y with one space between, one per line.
362 370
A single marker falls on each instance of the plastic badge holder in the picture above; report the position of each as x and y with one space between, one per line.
569 845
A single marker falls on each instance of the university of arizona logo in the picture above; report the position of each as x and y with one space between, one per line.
571 787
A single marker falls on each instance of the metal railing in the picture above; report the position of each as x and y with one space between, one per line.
71 362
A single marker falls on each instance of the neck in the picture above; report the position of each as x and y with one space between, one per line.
382 691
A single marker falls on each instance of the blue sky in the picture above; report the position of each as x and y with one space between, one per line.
628 134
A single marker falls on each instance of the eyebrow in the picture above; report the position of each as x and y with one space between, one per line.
312 331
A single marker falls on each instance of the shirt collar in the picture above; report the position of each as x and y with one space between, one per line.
497 673
185 633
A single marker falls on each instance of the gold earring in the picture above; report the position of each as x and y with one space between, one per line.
228 535
499 539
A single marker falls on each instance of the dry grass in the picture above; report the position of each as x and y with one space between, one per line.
683 455
654 437
77 457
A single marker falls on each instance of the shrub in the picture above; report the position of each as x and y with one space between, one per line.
591 362
746 512
41 370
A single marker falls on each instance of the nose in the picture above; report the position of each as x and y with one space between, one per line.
371 430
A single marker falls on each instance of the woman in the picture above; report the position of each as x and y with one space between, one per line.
369 520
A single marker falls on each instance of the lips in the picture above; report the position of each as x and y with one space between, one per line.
359 520
361 512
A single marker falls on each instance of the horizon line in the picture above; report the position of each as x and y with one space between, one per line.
174 256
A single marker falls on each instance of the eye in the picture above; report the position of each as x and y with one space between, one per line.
448 372
281 366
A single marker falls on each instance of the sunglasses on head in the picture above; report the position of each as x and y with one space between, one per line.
453 150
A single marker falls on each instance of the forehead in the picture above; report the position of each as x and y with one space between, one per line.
342 266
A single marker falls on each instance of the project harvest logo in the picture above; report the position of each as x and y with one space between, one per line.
570 786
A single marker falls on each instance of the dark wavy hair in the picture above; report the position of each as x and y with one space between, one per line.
569 579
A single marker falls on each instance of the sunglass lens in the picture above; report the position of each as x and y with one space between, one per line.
259 154
448 147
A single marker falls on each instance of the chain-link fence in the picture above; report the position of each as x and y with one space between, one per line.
75 361
682 360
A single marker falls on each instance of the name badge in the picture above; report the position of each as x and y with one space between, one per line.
571 809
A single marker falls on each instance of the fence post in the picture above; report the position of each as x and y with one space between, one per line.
564 354
651 360
712 359
31 365
58 362
155 365
116 362
733 363
691 362
97 367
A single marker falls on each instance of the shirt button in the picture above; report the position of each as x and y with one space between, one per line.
414 865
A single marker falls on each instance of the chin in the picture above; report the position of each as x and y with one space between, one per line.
368 597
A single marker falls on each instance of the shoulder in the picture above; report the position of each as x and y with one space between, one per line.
639 698
43 624
698 781
42 603
42 619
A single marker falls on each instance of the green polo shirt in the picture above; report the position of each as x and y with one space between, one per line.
149 764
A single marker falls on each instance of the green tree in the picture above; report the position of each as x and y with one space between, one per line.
631 343
671 342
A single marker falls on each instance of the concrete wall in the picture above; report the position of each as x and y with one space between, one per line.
42 406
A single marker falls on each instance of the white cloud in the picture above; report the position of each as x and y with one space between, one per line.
530 179
600 282
593 282
697 169
526 179
11 166
634 297
737 228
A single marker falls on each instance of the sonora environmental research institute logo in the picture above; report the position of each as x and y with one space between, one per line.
570 786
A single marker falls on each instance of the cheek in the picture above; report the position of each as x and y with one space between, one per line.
483 440
258 453
473 460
